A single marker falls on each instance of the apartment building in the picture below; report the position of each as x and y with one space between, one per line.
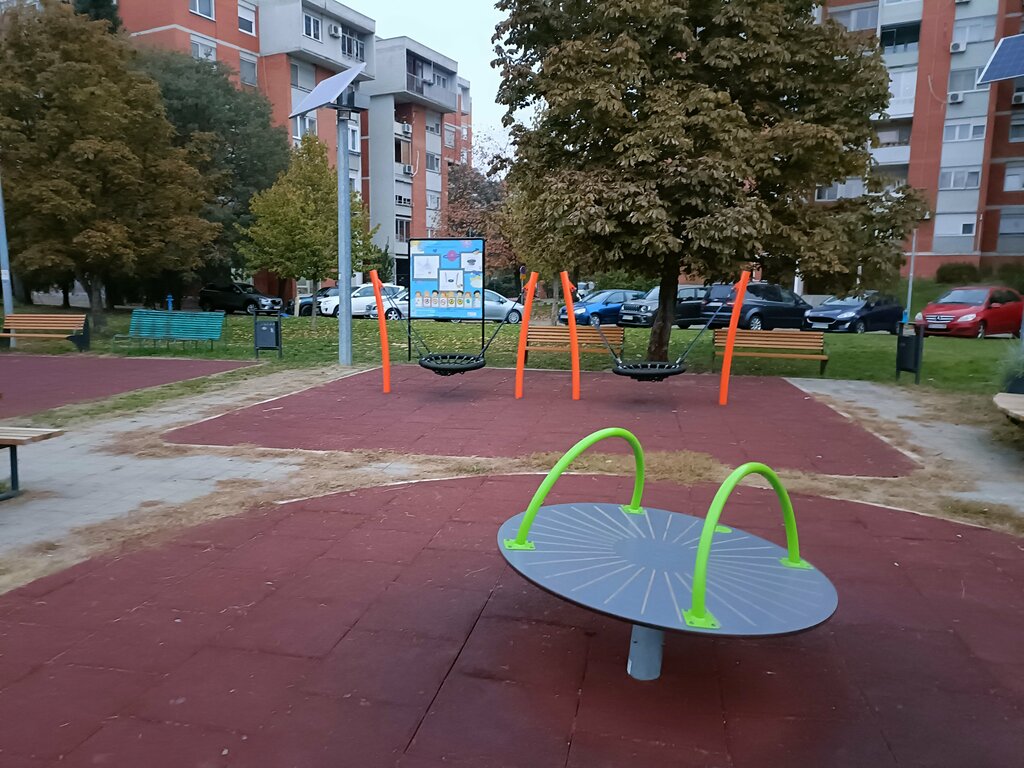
420 118
417 125
960 142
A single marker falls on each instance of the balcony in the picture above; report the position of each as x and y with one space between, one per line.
902 106
898 154
431 91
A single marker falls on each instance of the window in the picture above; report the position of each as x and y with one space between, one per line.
247 18
1011 224
247 69
967 228
434 126
352 44
1013 181
433 162
353 139
403 200
856 18
463 156
902 87
302 125
433 201
311 26
964 80
203 49
449 136
974 30
960 178
441 80
963 131
893 136
1017 130
202 7
900 39
402 230
303 76
831 192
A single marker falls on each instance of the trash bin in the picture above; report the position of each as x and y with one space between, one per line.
267 333
909 349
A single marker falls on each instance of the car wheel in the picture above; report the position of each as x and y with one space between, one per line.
682 326
514 317
305 311
894 329
755 323
981 330
335 312
250 308
204 306
392 314
859 327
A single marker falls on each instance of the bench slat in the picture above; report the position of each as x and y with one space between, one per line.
25 435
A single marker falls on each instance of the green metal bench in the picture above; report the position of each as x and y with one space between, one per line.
158 325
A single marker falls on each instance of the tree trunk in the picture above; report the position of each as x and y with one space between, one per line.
312 306
555 288
65 296
97 317
661 331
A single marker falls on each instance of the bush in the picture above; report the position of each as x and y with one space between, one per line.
1012 275
957 273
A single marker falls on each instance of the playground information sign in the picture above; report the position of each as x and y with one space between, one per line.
446 279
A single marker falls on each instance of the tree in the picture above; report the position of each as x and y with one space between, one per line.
229 130
294 232
476 209
100 10
678 136
94 185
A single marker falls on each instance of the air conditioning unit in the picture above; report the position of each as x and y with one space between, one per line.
406 129
956 98
334 30
1018 98
407 170
957 47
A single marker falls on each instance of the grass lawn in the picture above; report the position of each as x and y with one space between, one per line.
964 365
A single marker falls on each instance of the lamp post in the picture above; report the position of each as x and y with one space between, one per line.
5 264
333 93
910 276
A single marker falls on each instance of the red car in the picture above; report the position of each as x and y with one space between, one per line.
973 310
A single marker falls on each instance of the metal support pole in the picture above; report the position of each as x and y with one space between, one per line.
344 246
645 646
5 265
910 277
15 488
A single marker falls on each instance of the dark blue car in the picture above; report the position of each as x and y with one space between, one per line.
868 311
603 304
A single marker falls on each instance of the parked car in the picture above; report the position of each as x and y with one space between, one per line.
498 308
236 297
394 308
859 313
307 301
973 310
689 302
362 299
765 306
602 304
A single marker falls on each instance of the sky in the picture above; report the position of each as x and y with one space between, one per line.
459 29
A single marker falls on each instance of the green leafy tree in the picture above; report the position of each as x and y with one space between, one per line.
93 183
676 136
294 232
100 10
476 209
229 132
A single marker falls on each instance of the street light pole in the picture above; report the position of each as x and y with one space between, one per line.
910 277
344 245
5 263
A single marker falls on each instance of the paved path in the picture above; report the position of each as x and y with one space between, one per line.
996 471
768 419
381 628
33 383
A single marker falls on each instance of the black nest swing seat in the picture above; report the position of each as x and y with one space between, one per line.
448 364
648 371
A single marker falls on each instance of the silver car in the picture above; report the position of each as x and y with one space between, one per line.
394 307
496 309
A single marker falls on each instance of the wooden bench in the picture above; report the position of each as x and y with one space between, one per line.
785 344
547 338
159 325
11 438
1012 405
18 326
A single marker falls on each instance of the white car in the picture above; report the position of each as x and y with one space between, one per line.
362 299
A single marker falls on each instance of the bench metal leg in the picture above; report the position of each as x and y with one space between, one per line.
15 489
645 646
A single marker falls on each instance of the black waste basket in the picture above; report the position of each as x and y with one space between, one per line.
267 333
909 349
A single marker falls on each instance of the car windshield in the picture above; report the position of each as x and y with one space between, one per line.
599 298
853 302
652 294
971 296
247 288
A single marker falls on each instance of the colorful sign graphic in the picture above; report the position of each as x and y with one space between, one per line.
447 279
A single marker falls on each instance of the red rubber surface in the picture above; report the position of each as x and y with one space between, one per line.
33 383
382 628
767 419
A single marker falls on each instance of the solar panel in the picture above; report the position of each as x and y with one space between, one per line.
328 91
1006 62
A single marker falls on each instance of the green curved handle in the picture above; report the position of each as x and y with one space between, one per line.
634 508
698 615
